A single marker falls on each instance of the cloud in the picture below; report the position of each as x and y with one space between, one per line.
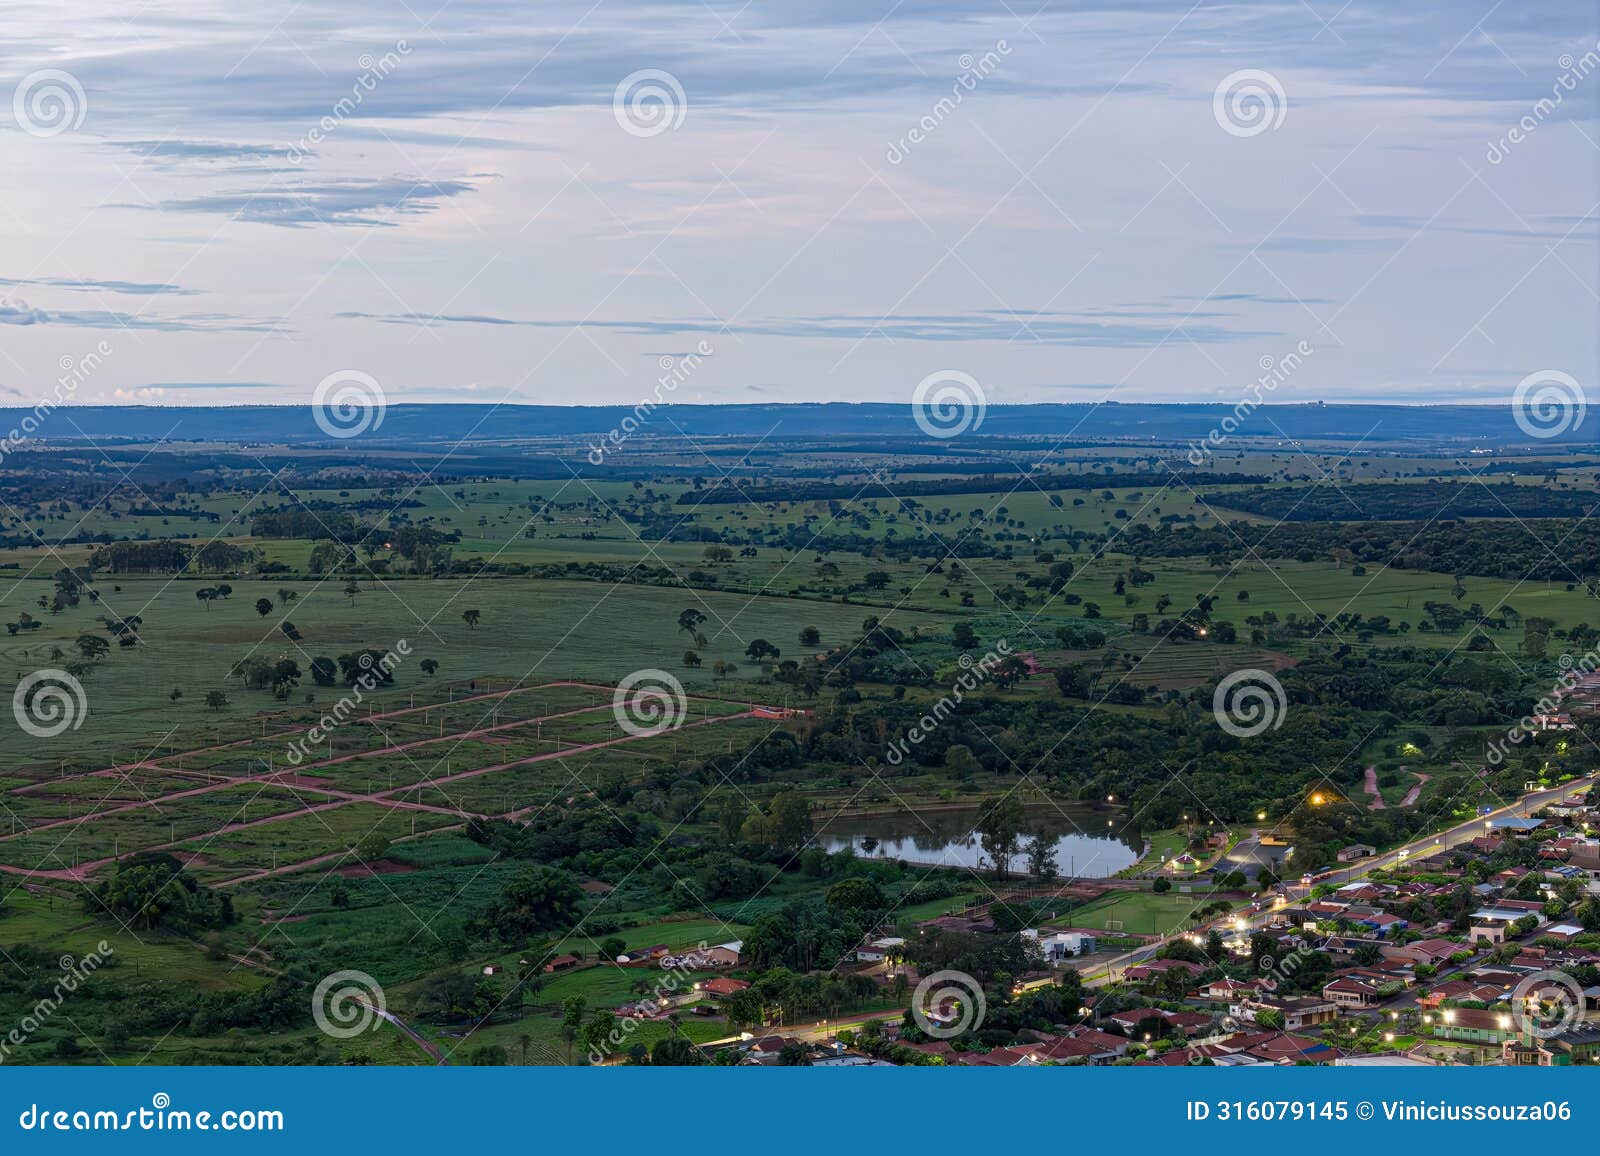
1007 326
15 312
346 201
90 285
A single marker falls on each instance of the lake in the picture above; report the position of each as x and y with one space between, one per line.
1086 847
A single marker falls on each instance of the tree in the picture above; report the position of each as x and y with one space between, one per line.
790 816
175 693
999 830
537 899
324 671
964 637
216 700
572 1009
429 666
810 636
263 606
1040 851
92 647
372 847
855 895
351 589
759 649
691 659
690 620
471 617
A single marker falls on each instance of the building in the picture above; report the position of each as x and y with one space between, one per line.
1057 946
1472 1026
1356 851
1350 991
879 950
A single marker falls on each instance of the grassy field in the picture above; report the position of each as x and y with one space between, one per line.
530 629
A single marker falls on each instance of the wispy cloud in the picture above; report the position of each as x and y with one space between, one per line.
348 201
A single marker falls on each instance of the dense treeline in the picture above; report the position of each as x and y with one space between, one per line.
1406 501
724 494
1560 551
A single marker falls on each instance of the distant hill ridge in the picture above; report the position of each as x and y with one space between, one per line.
409 425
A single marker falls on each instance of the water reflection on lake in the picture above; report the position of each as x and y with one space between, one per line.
1085 846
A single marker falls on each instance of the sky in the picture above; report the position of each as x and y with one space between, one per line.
554 202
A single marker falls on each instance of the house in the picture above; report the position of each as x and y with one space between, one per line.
1057 946
1156 968
1280 1048
1088 1045
722 986
1381 923
767 1049
1515 825
1349 991
1297 1013
1228 989
1488 930
1563 932
1472 1026
1356 851
1579 1045
1430 951
561 963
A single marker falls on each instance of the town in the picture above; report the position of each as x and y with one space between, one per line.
1485 953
